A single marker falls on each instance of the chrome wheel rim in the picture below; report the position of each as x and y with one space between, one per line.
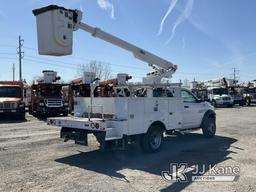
155 139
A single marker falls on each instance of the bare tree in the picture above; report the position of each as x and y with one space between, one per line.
101 69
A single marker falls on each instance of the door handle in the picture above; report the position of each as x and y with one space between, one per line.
186 106
170 113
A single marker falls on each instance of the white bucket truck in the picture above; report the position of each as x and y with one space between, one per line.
139 112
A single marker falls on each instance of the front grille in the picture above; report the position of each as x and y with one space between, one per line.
226 98
54 103
8 105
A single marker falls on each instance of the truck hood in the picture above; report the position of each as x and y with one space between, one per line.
222 96
9 99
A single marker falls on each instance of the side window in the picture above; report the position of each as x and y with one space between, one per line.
187 97
159 92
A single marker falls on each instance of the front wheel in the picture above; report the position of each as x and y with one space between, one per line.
209 127
214 103
151 142
22 116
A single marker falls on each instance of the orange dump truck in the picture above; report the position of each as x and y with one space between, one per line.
11 99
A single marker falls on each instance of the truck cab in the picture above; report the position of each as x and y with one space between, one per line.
249 95
219 96
11 99
47 97
201 94
237 96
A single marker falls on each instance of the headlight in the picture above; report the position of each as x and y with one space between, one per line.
218 99
65 104
41 104
22 105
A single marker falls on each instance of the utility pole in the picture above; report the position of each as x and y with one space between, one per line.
21 54
235 75
13 72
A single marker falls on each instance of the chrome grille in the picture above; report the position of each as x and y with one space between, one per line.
54 103
8 105
226 98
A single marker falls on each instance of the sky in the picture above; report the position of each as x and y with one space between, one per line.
205 38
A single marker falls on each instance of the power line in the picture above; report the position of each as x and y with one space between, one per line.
2 53
3 45
47 63
8 58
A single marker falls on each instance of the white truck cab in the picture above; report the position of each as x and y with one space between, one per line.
219 96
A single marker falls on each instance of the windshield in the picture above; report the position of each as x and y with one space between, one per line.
10 92
250 90
201 94
50 90
220 91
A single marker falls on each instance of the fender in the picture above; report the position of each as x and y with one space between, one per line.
159 124
209 113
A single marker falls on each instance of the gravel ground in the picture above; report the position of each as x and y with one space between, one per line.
33 158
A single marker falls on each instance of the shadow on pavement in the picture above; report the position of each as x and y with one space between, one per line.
11 119
190 148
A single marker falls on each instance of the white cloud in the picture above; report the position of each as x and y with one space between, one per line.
106 5
169 11
184 15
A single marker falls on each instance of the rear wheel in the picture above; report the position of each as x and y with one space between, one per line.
151 142
209 127
248 101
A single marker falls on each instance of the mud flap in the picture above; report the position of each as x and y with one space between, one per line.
100 136
79 136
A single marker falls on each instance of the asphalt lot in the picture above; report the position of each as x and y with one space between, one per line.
33 158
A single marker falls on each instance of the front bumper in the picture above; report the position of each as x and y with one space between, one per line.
253 100
16 111
52 110
224 103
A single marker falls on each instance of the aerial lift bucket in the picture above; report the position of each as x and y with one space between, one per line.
55 26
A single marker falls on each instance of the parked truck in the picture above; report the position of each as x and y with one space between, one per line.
132 112
47 98
218 93
12 99
249 95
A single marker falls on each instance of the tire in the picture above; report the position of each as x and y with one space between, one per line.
248 101
30 110
22 116
230 105
209 127
214 104
152 141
